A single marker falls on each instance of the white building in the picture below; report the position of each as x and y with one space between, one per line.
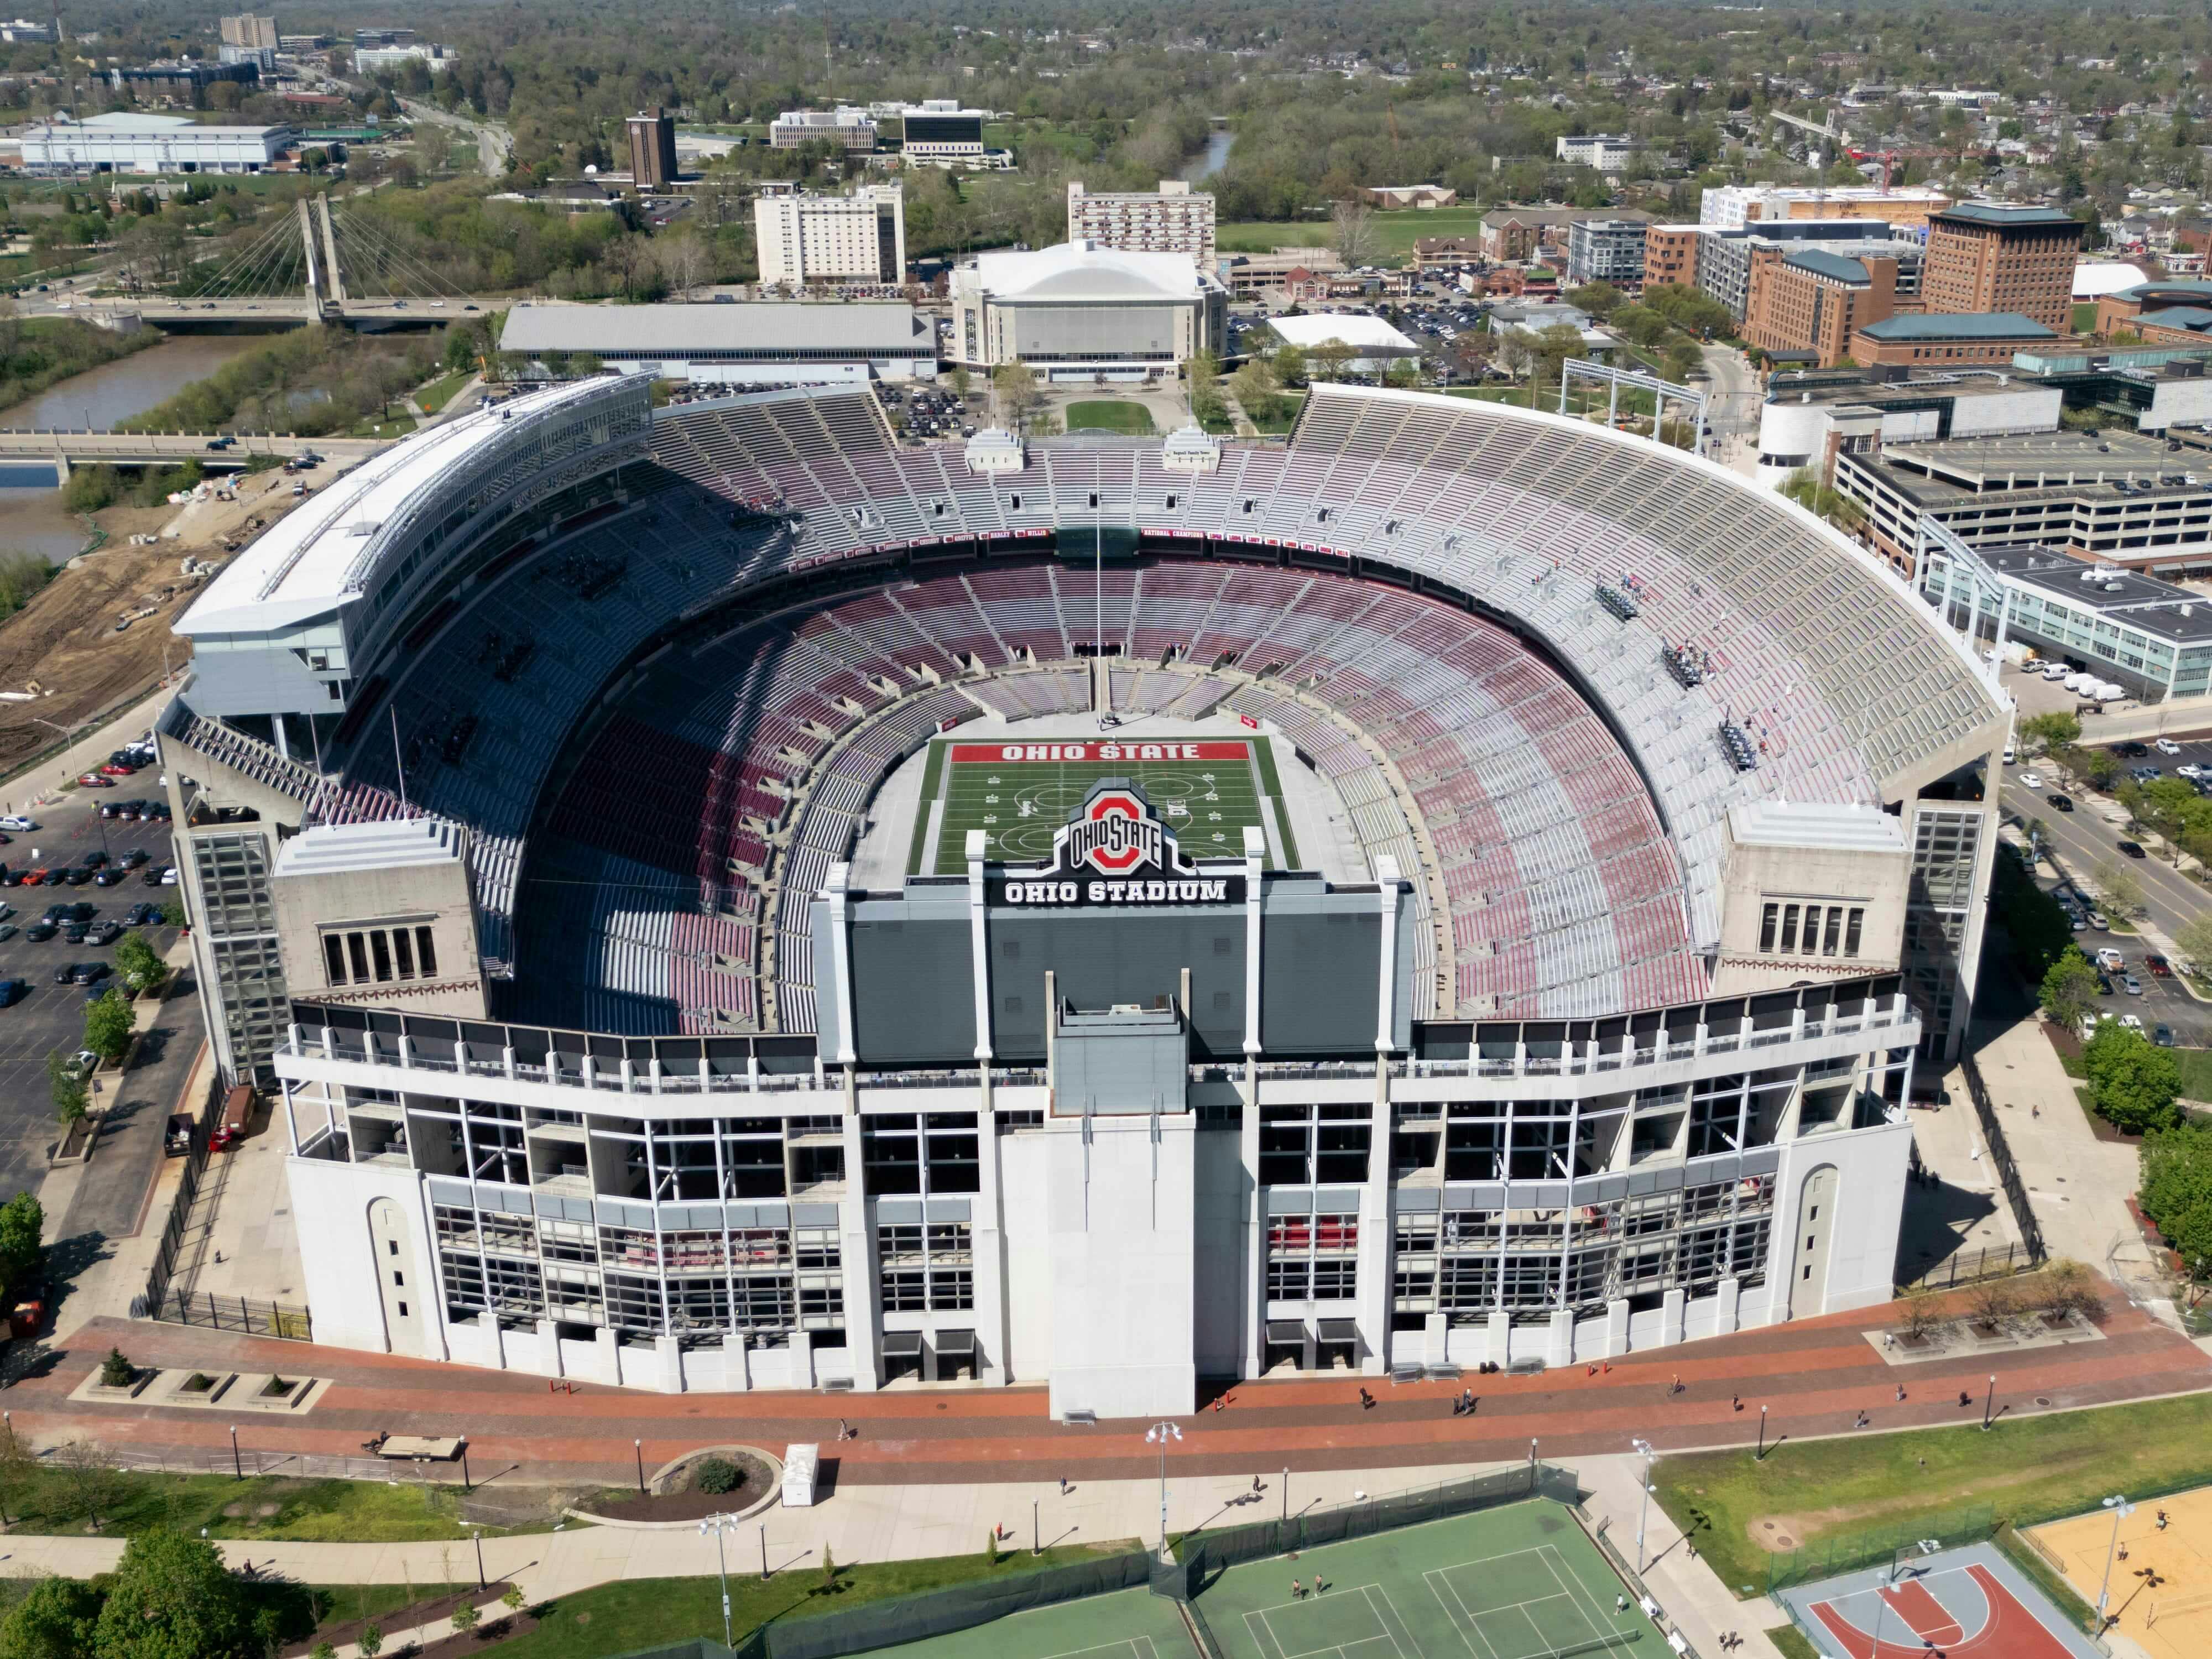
1079 311
851 128
768 343
1173 219
806 239
1379 345
137 141
1733 206
1606 151
391 60
938 130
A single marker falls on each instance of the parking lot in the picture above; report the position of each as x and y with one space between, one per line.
46 1017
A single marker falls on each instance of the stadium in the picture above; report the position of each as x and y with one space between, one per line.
730 901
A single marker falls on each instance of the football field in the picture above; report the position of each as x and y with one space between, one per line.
1020 794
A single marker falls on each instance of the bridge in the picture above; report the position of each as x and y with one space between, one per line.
182 316
63 449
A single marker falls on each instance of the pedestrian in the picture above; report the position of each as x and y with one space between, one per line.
1466 1398
1319 1583
1366 1399
1063 1484
2035 1111
1965 1399
2162 1520
1219 1400
1620 1604
1735 1400
1255 1486
1862 1422
1900 1394
1297 1591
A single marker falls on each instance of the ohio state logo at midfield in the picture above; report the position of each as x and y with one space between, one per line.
1116 833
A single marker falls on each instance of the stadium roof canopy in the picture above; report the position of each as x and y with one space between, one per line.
685 331
1084 270
1369 334
298 567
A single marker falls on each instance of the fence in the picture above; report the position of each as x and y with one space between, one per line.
299 1466
2008 1172
1970 1267
225 1313
1856 1551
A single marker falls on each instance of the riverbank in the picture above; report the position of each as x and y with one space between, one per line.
40 352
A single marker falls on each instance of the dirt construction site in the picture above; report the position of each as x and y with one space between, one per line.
64 647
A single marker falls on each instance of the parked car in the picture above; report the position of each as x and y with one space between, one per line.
142 915
77 876
2133 849
94 860
179 1140
104 932
8 930
117 769
94 780
90 973
12 991
113 876
2104 984
16 821
156 874
2167 746
132 858
2131 1022
40 932
2131 985
2110 959
2162 1035
2099 921
2159 966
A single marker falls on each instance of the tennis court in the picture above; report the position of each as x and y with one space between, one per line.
1130 1623
1518 1582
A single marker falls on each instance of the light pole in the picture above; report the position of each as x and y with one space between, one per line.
638 1447
1286 1497
718 1524
1761 1458
236 1467
2121 1510
1158 1435
1644 1511
476 1532
1988 1401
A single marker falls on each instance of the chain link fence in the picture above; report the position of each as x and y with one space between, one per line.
1854 1551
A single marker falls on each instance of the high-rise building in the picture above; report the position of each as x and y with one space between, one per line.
653 148
805 240
1605 251
1807 303
247 30
1173 219
1995 256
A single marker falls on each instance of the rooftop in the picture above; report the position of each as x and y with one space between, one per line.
676 331
2193 286
2010 215
2094 279
1958 325
1084 270
1828 827
2195 318
1834 266
388 844
2159 608
1369 333
297 567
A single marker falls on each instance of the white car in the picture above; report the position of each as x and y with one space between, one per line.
16 821
2108 959
2031 779
2132 1022
2185 770
2167 746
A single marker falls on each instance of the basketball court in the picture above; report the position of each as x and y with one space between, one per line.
1517 1582
1968 1603
2160 1592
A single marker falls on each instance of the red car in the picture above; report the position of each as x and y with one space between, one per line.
2159 966
115 771
94 780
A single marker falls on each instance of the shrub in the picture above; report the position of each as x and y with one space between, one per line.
715 1475
115 1371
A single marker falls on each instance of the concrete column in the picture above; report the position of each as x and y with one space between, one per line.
1559 1349
802 1359
548 1349
737 1363
1436 1340
668 1356
606 1356
1670 1317
862 1328
988 1226
1616 1328
1501 1337
1724 1308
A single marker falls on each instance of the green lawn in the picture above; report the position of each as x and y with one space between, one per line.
270 1507
2031 1469
2085 315
2196 1066
641 1613
1395 232
1110 415
435 396
1791 1643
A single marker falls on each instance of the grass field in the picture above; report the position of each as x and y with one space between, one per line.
1109 414
266 1507
1516 1582
2032 1469
1394 232
1018 805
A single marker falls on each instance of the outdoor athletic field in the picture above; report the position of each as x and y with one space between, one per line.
1130 1623
1205 790
2160 1590
1517 1582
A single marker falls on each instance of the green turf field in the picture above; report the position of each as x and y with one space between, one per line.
1130 1623
1018 805
1517 1582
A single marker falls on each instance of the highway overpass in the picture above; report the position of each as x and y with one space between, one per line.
179 316
64 449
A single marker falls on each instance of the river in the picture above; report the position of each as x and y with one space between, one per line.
31 515
1211 160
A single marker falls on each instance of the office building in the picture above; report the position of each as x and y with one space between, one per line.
652 148
392 60
1248 275
1811 416
132 141
181 82
1991 257
1606 251
1393 199
1606 152
251 31
767 342
1733 206
806 241
1724 255
940 129
1950 339
1173 219
378 38
845 126
1079 311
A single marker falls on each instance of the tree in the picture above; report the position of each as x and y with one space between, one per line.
2043 734
1352 234
1016 389
89 1484
54 1621
959 380
2175 1190
1600 299
370 1641
65 1083
20 1476
22 1223
2121 888
1331 359
1804 486
2132 1084
116 1371
465 1618
107 1025
1205 369
2070 989
1290 363
172 1597
2194 938
1683 360
511 1598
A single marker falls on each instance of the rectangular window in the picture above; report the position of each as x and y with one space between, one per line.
402 952
334 958
1789 929
1851 932
425 953
1835 937
380 947
1769 922
357 952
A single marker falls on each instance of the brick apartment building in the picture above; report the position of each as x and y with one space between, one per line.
1807 305
1936 340
1670 254
1991 257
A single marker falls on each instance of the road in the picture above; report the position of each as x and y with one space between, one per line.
1732 406
494 142
128 448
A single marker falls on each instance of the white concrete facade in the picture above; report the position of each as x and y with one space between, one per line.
152 143
805 240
